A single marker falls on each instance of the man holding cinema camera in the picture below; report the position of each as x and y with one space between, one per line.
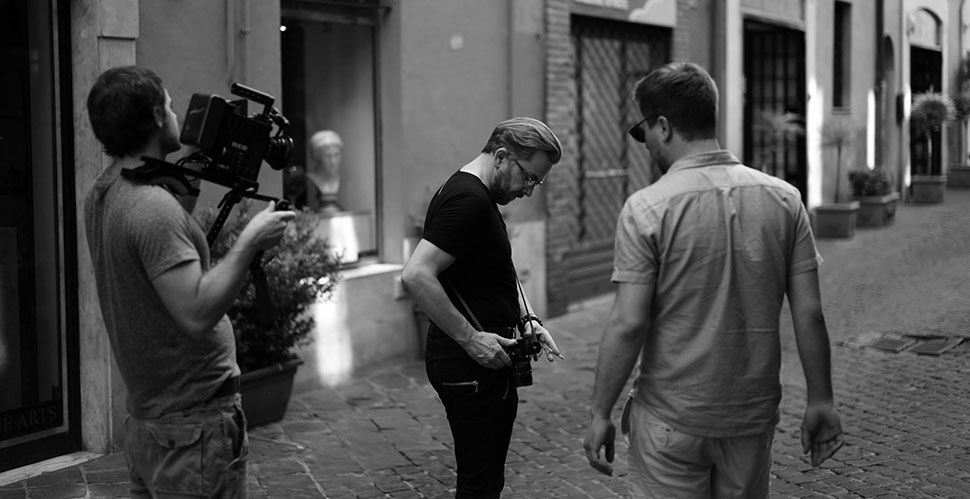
164 307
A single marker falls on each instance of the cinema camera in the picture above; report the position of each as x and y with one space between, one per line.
231 148
233 145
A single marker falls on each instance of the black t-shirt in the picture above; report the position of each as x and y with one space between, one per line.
463 220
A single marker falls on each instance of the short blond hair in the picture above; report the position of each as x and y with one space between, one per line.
524 136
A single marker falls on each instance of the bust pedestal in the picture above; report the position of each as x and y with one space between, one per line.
348 232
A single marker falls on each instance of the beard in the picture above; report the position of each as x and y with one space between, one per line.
502 188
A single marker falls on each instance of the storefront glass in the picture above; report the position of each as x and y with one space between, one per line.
36 370
329 94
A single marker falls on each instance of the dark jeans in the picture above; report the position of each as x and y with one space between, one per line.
481 404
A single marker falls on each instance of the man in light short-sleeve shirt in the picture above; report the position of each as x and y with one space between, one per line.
703 260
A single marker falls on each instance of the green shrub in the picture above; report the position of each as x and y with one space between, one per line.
930 110
301 270
866 182
961 105
838 132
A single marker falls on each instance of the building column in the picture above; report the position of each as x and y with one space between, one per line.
103 34
728 61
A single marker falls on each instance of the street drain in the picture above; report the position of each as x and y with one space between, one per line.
918 344
894 345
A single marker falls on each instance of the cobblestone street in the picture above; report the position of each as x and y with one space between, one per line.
906 416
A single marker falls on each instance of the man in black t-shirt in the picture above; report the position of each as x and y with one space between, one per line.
461 274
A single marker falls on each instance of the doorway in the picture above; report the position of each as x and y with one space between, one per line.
611 57
774 75
926 73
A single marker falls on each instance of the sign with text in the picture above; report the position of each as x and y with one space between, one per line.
653 12
31 419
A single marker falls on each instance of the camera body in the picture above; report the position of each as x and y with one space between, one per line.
232 143
522 353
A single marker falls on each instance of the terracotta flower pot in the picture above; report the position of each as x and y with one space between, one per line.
877 211
928 188
266 392
958 176
836 220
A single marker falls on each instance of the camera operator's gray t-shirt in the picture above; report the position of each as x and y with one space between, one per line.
137 232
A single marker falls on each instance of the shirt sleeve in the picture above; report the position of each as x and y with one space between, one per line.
635 254
160 234
452 227
804 256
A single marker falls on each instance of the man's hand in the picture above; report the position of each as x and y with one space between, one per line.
548 344
601 432
487 349
821 432
266 229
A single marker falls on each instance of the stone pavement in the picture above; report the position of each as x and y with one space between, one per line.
906 416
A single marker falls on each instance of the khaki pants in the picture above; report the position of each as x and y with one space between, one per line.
197 453
669 464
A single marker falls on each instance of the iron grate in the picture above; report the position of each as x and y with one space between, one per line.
916 343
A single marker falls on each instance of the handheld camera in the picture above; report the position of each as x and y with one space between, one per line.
522 353
232 144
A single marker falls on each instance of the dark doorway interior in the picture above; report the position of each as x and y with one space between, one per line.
926 68
774 74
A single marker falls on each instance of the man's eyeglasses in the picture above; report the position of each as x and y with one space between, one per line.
637 133
528 177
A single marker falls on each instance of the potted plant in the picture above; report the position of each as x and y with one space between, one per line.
300 270
930 111
873 189
959 173
776 129
837 219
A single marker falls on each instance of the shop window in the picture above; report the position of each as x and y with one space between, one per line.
39 402
842 55
329 81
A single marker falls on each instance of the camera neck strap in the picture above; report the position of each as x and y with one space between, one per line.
471 315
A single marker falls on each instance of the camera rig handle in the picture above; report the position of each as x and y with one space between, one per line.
265 314
265 309
251 94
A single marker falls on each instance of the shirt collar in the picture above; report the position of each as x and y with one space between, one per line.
719 157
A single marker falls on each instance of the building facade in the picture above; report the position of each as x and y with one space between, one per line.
859 62
413 89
